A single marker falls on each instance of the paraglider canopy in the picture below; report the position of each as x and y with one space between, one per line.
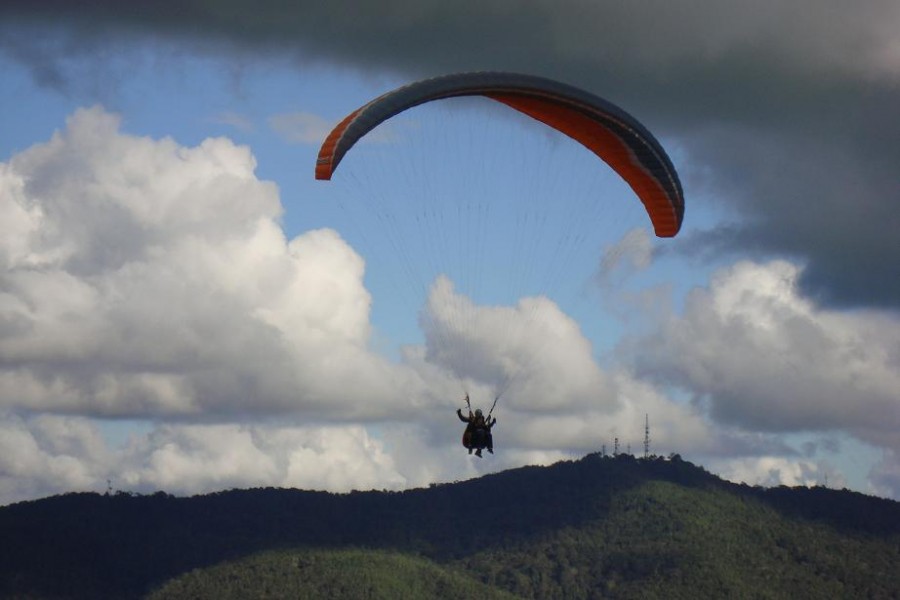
602 127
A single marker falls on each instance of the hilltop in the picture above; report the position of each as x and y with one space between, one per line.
597 527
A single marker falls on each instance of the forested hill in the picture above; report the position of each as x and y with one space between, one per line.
593 528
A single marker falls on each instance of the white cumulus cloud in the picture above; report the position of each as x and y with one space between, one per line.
143 278
767 359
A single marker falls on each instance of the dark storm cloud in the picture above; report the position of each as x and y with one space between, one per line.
824 201
785 113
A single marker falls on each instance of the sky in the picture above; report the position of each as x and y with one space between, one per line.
184 308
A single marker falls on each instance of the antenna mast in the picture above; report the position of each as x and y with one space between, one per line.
647 435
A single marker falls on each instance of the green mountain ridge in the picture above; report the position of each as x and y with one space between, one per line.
599 527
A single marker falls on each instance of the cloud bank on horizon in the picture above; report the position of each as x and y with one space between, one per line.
782 118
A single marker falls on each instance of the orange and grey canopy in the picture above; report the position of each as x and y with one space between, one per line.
602 127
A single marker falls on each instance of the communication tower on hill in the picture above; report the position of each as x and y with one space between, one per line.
647 435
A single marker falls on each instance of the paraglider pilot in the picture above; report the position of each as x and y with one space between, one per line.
478 430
